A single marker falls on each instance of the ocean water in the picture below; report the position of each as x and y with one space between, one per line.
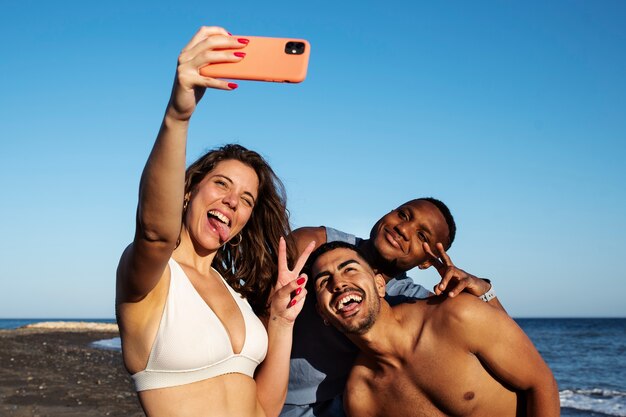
587 357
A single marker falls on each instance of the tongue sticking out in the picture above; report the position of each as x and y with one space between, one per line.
222 229
349 306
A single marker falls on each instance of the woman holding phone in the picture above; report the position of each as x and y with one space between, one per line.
207 258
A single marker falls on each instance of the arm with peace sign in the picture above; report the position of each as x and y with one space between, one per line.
455 280
286 303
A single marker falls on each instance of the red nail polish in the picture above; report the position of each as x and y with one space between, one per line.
232 86
293 302
300 281
240 54
298 290
243 40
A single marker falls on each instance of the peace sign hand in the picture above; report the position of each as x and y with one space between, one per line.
289 292
453 280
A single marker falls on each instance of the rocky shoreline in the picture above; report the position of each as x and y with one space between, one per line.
53 371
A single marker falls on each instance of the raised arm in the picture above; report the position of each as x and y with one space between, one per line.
504 348
159 211
272 375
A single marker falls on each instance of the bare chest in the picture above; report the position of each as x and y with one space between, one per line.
433 385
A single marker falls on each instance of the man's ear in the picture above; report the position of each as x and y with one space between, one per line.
381 285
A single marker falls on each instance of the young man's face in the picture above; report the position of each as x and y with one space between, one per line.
347 290
398 236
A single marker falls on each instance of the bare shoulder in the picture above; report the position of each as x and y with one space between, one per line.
141 267
136 303
411 312
470 321
462 310
303 235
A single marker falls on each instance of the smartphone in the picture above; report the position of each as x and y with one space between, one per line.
267 59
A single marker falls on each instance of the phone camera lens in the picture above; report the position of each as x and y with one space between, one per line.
294 48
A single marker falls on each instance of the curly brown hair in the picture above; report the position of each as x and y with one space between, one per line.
251 267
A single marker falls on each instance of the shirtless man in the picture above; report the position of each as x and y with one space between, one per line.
433 357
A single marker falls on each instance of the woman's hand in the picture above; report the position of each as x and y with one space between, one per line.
289 292
205 48
454 280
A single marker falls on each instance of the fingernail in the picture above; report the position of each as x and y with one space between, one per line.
243 40
298 290
232 86
293 302
240 54
300 281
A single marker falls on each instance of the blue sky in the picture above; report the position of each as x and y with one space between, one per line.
513 113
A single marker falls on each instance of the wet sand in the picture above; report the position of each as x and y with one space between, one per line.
55 372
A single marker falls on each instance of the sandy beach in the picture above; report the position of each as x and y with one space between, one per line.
54 372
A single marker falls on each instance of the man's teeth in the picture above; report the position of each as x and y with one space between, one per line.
345 300
220 216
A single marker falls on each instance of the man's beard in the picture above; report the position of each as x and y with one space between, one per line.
365 323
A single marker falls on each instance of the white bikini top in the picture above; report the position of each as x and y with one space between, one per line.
192 344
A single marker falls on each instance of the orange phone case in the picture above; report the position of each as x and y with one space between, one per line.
267 59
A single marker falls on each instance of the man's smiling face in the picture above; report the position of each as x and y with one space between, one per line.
399 236
347 290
